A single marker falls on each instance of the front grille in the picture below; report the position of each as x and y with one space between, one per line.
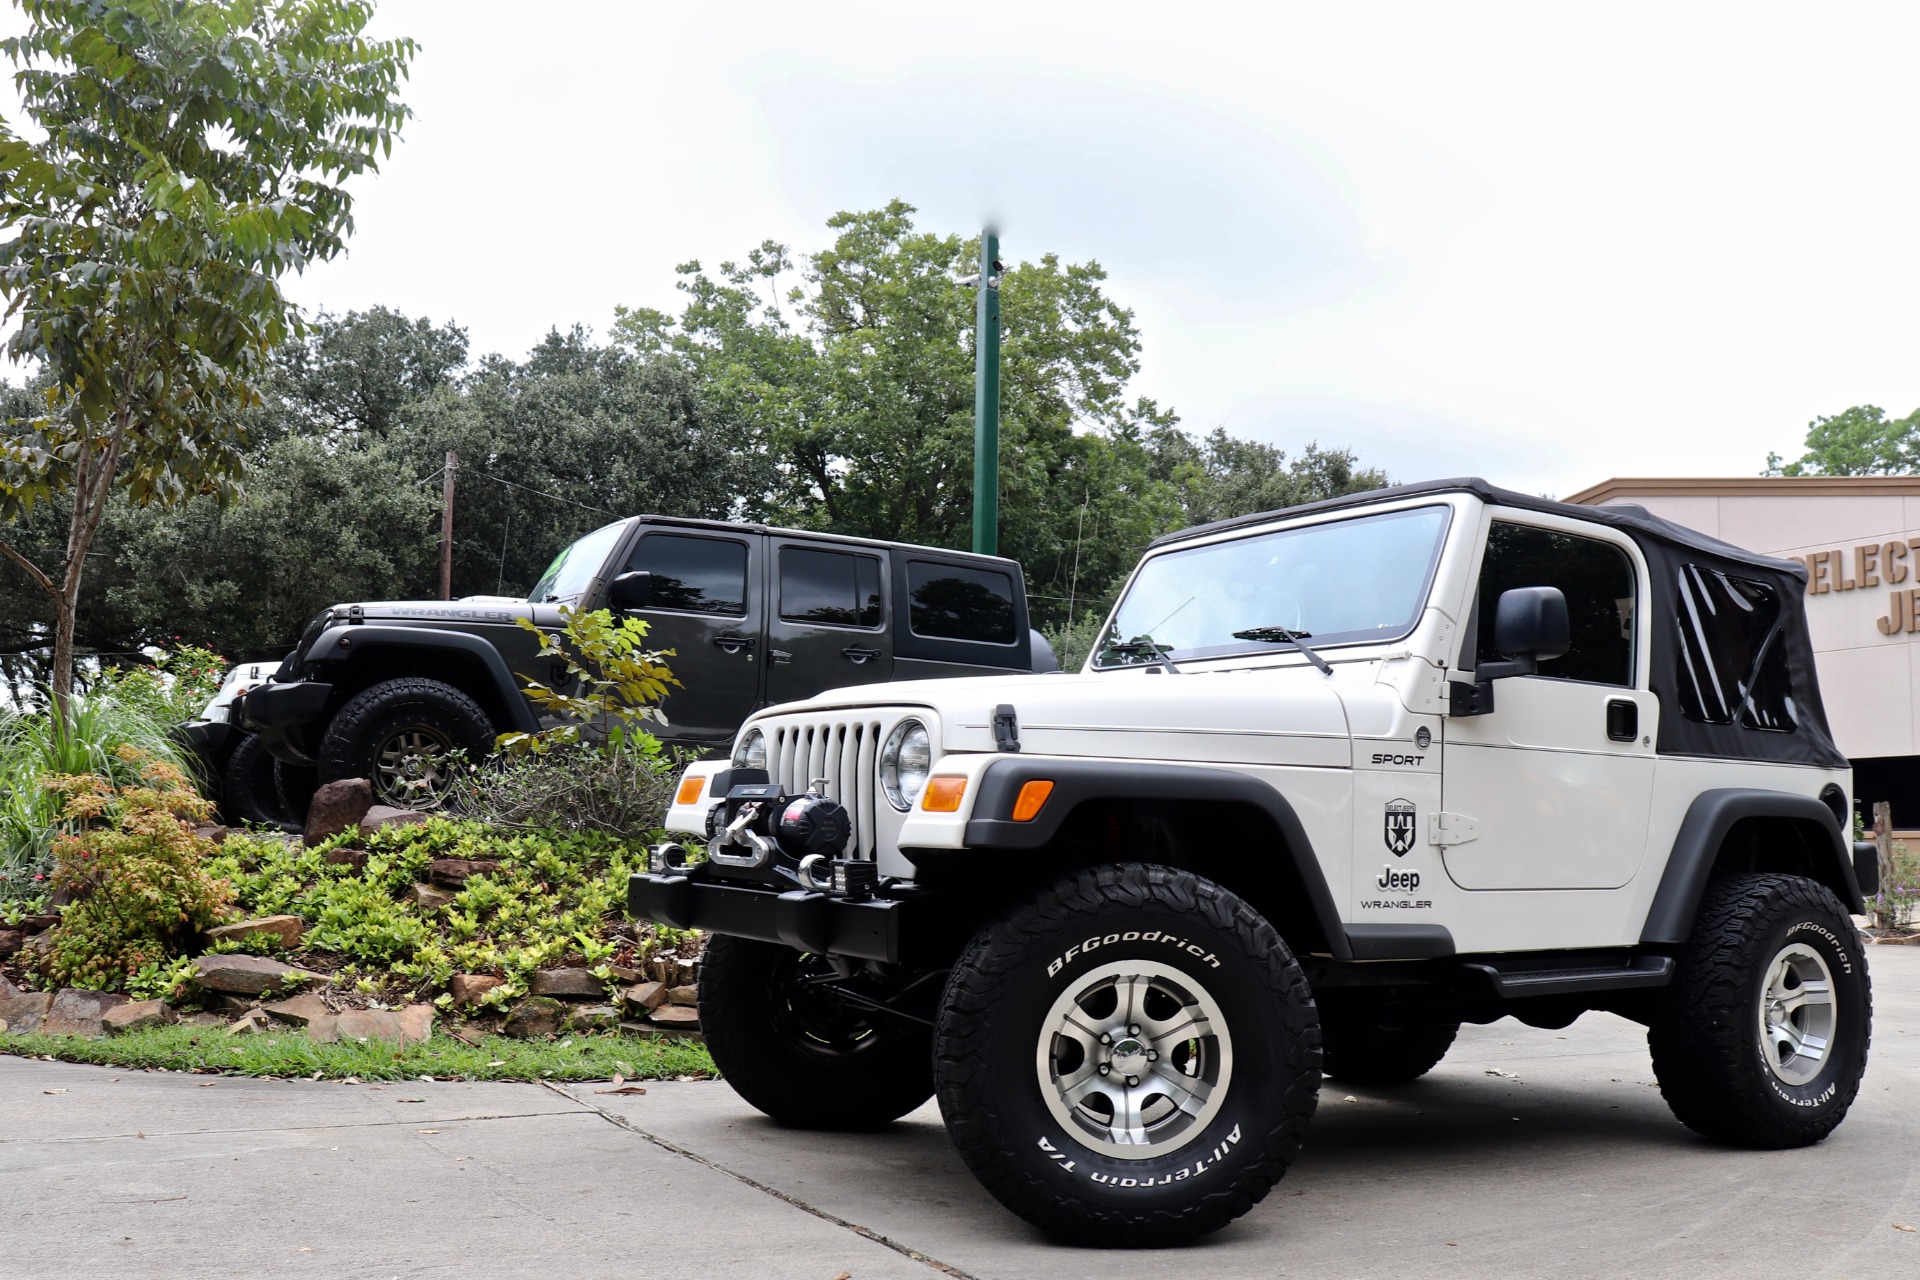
843 751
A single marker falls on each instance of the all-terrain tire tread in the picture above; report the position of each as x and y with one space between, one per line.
969 1006
1700 1044
340 746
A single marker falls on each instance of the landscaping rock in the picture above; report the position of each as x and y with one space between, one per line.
411 1025
355 858
246 975
688 996
11 940
137 1015
24 1011
675 1015
338 806
35 952
382 815
428 898
31 925
1908 940
285 929
574 983
453 873
467 988
212 831
301 1010
535 1017
324 1029
204 1020
625 974
593 1017
77 1013
644 997
249 1023
7 989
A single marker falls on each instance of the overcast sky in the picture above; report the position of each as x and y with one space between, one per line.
1543 244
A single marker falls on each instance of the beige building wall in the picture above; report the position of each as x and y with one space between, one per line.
1860 537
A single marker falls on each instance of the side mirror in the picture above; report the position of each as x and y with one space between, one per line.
634 591
1530 626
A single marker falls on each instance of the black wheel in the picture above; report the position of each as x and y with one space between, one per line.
1762 1037
1130 1058
1368 1046
400 736
293 787
788 1045
246 785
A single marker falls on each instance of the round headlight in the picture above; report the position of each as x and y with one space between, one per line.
751 751
905 760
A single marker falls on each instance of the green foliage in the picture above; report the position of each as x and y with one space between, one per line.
169 980
170 691
183 155
288 1055
122 713
613 684
620 791
1898 902
139 873
363 371
553 896
1861 441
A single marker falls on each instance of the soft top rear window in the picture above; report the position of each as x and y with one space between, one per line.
1733 652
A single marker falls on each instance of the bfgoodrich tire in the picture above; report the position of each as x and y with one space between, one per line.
402 736
1368 1047
1762 1037
1130 1058
797 1053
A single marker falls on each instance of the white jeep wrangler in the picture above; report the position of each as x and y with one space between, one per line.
1336 780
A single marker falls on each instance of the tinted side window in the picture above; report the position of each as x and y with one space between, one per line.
1733 663
833 587
1595 577
694 575
947 602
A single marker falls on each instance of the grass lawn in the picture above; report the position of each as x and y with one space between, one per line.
290 1054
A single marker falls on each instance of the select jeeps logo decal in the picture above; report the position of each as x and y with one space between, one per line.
1181 1174
1399 827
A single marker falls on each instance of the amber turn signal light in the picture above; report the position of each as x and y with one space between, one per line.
943 795
1026 806
690 789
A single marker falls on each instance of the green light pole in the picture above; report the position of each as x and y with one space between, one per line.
986 400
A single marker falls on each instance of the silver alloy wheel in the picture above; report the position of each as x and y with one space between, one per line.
1797 1014
1134 1059
411 767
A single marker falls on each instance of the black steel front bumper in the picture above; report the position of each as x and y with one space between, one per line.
280 706
806 920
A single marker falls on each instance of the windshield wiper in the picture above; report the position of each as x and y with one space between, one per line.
1286 635
1142 647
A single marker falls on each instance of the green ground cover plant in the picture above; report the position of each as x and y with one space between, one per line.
290 1054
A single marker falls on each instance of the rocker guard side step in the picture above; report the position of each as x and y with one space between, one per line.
1512 982
809 921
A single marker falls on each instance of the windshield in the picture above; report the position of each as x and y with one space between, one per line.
1346 581
573 569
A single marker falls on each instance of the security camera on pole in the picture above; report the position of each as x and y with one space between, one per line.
986 399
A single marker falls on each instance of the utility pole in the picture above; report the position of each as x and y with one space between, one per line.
986 399
446 526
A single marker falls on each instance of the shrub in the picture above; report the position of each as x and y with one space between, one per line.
1898 902
138 872
619 790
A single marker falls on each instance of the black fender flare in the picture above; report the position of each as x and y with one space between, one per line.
350 640
1077 781
1709 818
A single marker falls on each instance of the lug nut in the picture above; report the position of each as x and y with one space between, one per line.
1105 1038
1132 1080
1153 1055
1133 1030
1104 1068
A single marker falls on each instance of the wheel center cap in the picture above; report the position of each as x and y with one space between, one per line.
1129 1056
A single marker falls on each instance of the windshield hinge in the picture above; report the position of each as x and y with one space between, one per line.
1452 828
1006 729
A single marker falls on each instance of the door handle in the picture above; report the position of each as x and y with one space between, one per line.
858 656
1623 720
733 642
780 657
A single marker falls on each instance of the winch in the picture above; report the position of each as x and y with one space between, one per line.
800 839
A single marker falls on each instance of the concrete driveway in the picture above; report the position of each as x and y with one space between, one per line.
1526 1153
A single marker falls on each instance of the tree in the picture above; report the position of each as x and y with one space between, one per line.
360 371
1861 441
192 153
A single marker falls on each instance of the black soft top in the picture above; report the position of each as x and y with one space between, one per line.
1686 565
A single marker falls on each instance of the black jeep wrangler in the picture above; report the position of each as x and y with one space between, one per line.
753 616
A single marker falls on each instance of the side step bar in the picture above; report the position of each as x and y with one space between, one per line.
1513 983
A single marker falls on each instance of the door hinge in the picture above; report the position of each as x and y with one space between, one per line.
1452 828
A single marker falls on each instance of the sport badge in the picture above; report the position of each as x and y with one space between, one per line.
1400 824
